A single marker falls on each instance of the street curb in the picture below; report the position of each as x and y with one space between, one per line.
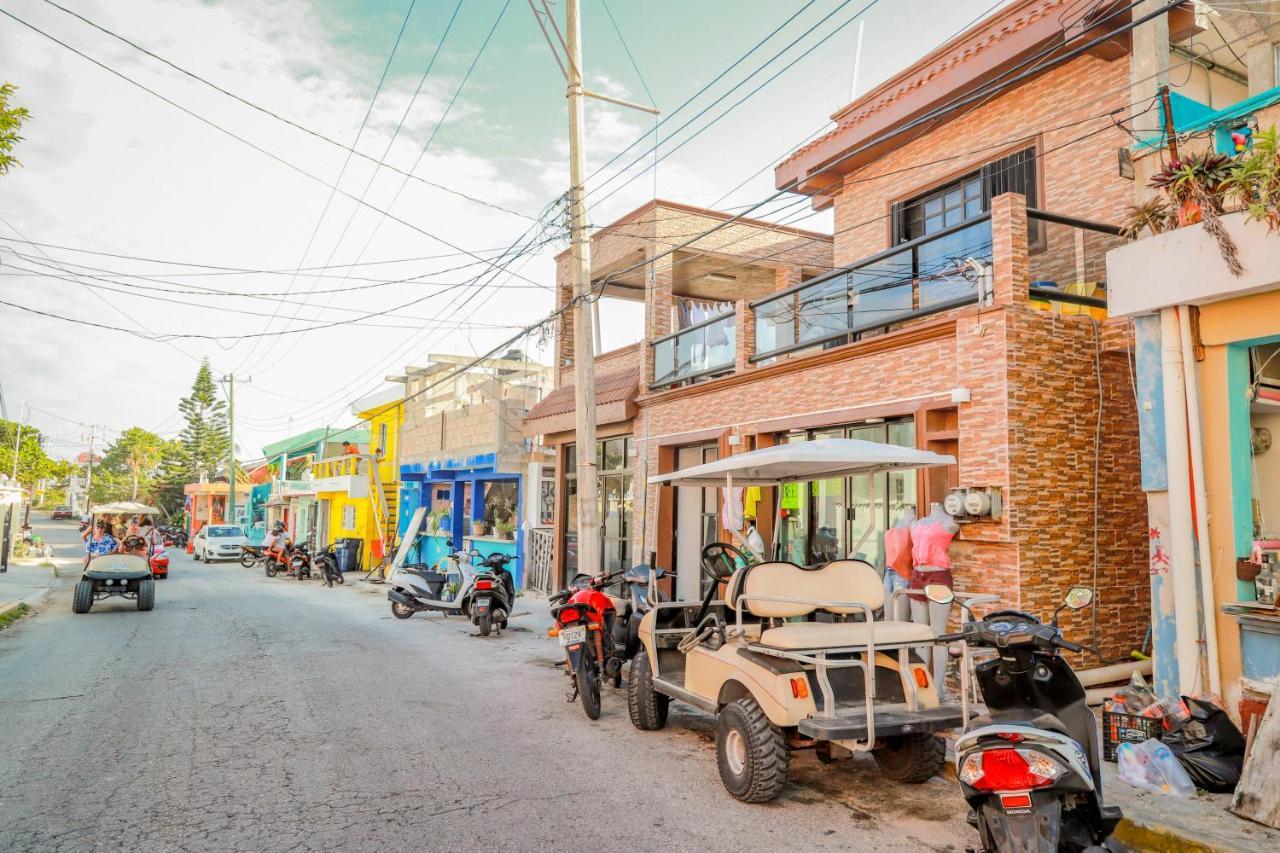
1156 839
31 601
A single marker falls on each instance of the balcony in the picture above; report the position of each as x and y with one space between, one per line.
1060 268
695 352
347 474
914 279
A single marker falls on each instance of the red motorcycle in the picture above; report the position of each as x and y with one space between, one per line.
585 619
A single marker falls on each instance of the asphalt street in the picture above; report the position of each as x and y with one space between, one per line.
247 713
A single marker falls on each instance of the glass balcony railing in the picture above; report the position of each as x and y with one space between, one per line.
1067 263
700 350
913 279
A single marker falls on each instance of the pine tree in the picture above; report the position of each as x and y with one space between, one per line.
205 439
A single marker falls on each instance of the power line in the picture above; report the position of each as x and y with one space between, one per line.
292 166
350 149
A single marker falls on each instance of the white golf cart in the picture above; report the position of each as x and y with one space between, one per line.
793 657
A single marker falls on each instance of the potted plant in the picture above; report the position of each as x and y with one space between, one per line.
1255 185
1154 215
437 519
506 529
479 527
1198 184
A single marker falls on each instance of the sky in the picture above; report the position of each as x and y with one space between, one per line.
141 210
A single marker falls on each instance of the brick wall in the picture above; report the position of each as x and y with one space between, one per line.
1077 178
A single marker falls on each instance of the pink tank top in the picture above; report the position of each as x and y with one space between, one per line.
929 542
897 550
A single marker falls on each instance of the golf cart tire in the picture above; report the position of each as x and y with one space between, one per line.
146 594
911 758
82 598
764 771
648 708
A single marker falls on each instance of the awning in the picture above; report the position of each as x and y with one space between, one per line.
823 459
124 508
616 393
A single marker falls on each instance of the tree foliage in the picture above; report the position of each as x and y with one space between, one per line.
205 439
11 121
33 463
131 468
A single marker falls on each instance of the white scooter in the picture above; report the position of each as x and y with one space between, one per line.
415 586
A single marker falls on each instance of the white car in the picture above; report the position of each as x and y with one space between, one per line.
218 542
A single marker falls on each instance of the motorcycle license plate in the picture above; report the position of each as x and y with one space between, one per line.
572 636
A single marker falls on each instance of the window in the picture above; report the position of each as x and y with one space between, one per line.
846 517
349 517
967 197
613 458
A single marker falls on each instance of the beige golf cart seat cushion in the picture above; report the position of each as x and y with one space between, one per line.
852 581
795 636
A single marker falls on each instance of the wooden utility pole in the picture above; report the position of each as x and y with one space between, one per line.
231 453
584 365
585 341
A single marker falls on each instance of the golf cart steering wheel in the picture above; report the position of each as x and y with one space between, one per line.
720 560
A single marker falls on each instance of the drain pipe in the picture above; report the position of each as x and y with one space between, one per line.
1180 548
1201 506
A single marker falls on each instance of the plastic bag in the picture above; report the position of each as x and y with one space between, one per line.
1172 713
1152 766
1135 696
1209 746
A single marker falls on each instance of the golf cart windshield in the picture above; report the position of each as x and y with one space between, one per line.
825 458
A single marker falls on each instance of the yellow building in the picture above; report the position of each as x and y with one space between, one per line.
357 489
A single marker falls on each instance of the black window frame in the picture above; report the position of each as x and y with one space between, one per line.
1015 172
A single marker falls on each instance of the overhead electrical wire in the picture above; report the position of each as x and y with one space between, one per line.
351 150
284 162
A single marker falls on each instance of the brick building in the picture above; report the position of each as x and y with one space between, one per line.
965 313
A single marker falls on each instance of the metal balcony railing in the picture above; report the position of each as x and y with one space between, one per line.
913 279
697 351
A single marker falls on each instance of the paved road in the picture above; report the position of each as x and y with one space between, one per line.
253 714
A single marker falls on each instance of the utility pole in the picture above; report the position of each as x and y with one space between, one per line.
585 341
88 477
231 452
584 362
17 443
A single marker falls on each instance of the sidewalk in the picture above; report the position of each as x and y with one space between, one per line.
1161 822
26 582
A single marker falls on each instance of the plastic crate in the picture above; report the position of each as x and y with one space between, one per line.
1118 728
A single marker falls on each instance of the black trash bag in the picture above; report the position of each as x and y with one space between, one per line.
1209 746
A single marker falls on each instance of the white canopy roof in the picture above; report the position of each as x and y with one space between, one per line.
822 459
124 508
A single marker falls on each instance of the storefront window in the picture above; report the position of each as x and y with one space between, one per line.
616 499
500 499
832 519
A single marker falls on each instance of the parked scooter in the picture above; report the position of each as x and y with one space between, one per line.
1031 766
585 618
174 537
494 593
251 556
416 587
324 562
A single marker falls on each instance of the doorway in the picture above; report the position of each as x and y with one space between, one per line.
696 510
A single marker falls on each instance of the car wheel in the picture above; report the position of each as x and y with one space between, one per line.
751 752
648 708
82 599
195 555
911 758
146 594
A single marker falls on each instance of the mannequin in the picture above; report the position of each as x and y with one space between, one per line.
897 565
930 538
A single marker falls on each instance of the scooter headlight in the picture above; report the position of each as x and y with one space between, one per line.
1008 770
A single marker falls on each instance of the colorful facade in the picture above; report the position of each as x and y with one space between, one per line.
206 503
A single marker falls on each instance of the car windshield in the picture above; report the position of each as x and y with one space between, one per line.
224 532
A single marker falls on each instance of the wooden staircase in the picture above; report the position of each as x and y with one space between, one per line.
385 500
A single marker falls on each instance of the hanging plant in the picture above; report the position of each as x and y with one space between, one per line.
1198 184
1255 184
1154 215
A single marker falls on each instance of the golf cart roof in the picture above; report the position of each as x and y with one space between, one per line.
125 508
823 459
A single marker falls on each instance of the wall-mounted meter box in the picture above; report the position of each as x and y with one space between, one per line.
972 503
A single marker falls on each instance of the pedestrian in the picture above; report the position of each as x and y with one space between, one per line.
350 449
149 532
101 542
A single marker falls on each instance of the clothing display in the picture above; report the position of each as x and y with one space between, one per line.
897 549
930 541
920 578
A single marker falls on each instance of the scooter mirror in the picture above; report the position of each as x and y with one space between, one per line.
449 544
1079 598
939 594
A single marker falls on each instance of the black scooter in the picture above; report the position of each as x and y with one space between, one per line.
1030 767
493 592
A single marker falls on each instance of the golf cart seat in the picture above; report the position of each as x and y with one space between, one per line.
784 590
